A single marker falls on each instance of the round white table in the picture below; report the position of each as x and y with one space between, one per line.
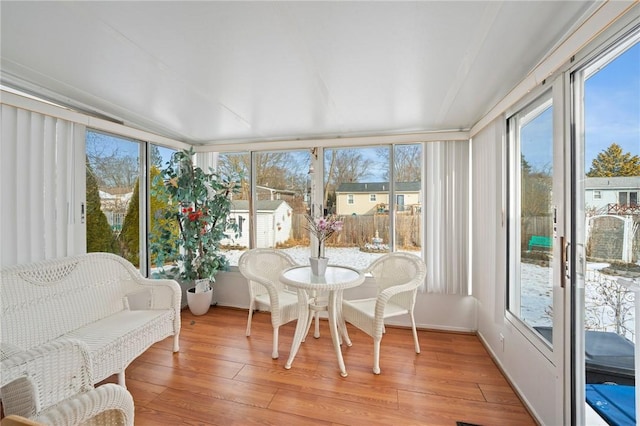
335 280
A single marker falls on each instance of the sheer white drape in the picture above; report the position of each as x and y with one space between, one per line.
446 210
42 190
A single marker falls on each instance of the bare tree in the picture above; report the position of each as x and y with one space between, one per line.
277 170
111 167
536 189
344 165
407 162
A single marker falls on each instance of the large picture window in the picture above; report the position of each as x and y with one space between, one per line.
376 191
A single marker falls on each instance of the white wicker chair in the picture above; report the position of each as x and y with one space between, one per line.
262 267
398 276
52 384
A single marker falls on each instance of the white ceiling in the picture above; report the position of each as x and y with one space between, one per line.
207 72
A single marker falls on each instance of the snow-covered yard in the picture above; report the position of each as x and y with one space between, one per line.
599 315
345 256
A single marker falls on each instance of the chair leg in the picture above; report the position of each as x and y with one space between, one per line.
248 332
376 356
121 380
274 353
415 334
176 342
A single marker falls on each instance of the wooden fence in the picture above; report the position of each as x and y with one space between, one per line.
361 229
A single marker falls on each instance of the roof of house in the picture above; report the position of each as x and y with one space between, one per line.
615 182
378 187
263 205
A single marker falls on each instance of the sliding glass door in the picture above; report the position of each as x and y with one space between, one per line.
536 242
606 219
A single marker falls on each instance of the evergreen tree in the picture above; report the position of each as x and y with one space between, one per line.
99 235
163 232
525 167
129 238
613 162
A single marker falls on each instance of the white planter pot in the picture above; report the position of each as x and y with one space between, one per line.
199 297
318 265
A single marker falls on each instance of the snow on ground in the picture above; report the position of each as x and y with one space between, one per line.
536 298
536 294
344 256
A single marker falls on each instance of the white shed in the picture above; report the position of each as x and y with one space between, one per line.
273 223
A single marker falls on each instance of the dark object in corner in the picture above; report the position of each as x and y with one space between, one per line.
608 356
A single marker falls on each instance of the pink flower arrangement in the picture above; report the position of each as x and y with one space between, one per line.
323 228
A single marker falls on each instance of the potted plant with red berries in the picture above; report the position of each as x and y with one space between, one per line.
200 203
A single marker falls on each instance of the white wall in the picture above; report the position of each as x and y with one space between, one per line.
527 370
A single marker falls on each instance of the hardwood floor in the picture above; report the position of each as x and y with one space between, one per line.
221 377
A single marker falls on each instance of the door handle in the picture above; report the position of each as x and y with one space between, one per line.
564 255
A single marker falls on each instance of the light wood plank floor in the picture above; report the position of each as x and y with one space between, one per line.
221 377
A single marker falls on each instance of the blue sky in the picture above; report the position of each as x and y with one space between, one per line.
612 106
612 114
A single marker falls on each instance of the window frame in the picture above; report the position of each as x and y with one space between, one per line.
528 107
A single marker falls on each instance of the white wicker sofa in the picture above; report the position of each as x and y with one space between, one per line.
98 298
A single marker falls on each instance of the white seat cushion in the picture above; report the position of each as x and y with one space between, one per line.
122 337
286 298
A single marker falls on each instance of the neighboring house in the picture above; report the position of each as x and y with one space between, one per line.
114 205
603 193
373 197
273 223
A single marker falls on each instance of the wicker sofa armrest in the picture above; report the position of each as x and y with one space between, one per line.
154 294
47 374
53 384
158 294
107 405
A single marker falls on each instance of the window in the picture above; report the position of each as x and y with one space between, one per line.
606 91
276 195
628 198
113 202
530 281
237 164
279 199
597 195
622 198
162 232
276 202
356 182
407 161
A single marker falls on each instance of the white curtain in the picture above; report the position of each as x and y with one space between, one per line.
447 217
42 189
